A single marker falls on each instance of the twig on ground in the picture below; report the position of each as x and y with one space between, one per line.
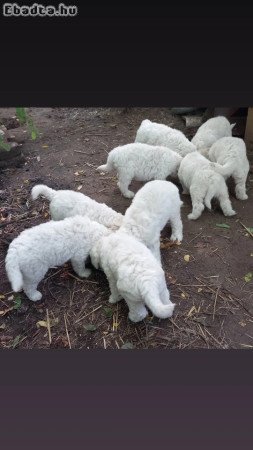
67 333
49 328
248 231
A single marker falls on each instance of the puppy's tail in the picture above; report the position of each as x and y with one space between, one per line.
154 303
13 271
42 189
224 170
108 167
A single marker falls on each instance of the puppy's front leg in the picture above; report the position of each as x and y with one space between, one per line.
155 249
137 310
115 295
79 267
176 228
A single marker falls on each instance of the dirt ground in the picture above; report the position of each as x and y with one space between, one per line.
213 300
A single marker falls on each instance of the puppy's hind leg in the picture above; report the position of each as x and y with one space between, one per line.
240 186
225 202
197 203
123 183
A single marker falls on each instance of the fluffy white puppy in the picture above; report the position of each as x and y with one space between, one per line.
50 244
134 274
198 177
153 206
231 156
158 134
212 130
141 162
66 203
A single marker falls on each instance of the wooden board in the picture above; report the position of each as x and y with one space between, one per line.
248 137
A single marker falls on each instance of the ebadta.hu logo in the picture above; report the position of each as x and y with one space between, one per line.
35 10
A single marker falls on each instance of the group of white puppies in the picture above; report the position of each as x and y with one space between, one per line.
202 165
127 247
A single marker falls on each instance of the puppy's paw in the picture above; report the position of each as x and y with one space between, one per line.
84 273
230 213
113 299
176 237
192 216
36 297
242 196
129 194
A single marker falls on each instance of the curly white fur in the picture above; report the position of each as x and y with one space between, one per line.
66 203
158 134
231 156
142 162
133 274
153 206
50 244
212 130
197 176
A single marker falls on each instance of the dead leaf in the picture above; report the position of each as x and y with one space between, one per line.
90 327
79 187
5 311
222 225
3 326
128 345
45 146
173 280
16 341
248 277
191 311
167 243
200 289
187 258
183 295
2 296
243 324
43 323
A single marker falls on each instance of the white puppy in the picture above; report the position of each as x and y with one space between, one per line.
153 206
158 134
141 162
66 203
212 130
50 244
231 156
198 177
133 274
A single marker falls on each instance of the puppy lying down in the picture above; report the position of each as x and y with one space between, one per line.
66 203
50 244
134 274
